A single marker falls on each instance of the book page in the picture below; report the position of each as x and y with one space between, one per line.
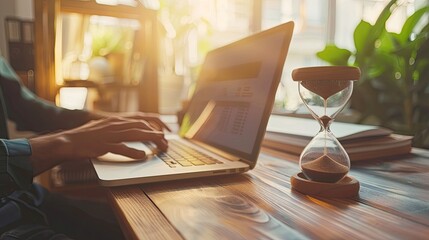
310 127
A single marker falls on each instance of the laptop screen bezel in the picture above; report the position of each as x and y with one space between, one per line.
251 158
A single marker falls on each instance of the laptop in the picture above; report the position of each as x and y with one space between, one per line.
224 125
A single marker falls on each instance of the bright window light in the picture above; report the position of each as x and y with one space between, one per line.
73 97
117 2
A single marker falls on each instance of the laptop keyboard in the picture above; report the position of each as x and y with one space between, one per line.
179 154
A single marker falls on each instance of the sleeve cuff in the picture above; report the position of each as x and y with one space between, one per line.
15 162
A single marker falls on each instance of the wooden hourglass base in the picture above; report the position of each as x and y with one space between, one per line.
347 187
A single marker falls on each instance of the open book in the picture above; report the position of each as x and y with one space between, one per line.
361 142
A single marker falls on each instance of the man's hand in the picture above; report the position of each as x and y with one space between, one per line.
152 118
95 139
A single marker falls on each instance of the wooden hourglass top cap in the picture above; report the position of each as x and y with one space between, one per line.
326 73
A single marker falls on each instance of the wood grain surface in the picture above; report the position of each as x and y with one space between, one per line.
139 218
393 203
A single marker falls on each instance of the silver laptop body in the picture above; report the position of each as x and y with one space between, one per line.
226 119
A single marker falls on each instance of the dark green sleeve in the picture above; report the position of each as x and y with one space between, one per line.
30 112
15 168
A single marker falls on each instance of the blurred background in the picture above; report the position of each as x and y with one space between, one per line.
130 55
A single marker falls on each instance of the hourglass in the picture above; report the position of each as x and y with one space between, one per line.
324 162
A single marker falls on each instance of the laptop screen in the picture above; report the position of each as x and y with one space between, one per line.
235 93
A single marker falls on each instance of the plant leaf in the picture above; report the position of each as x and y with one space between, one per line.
410 24
367 43
423 50
423 31
388 42
381 63
334 55
360 35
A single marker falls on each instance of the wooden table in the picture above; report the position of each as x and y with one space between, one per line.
393 203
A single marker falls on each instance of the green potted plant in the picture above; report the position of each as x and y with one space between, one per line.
394 86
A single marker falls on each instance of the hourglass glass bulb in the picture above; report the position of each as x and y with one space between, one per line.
324 159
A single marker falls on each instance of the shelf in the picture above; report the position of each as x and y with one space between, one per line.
49 43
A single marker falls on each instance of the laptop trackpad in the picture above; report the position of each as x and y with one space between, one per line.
112 157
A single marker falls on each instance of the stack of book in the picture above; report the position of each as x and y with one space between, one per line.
362 142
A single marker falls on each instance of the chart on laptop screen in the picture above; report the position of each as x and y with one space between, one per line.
232 92
232 118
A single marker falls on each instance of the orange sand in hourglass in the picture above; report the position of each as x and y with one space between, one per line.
325 168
